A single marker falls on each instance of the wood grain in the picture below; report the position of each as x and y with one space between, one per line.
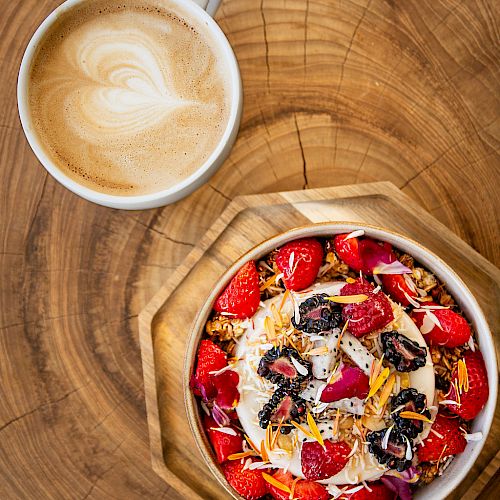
246 222
336 92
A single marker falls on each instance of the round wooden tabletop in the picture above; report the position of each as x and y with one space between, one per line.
336 92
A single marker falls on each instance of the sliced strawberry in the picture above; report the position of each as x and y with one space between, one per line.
374 253
304 490
319 463
348 251
454 331
226 385
396 286
299 261
472 401
222 443
372 314
451 442
211 358
248 483
378 492
241 297
351 382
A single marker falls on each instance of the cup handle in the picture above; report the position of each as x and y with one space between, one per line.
210 6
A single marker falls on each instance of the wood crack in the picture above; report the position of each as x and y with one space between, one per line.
218 191
40 407
304 163
264 24
161 233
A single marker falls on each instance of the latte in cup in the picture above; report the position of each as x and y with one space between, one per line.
128 97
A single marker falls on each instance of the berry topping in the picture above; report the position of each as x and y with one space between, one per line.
226 385
348 251
376 491
397 287
350 382
318 314
319 463
394 450
299 261
224 444
471 380
410 400
405 354
369 315
304 490
284 406
441 326
248 483
211 358
241 297
284 366
374 253
447 439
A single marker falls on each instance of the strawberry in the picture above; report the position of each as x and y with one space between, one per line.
455 330
210 358
372 314
299 261
319 463
348 251
222 443
241 297
378 491
248 483
452 442
304 490
396 286
472 401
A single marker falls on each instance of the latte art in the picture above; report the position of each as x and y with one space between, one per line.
128 99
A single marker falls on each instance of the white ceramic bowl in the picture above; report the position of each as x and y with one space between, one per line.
441 487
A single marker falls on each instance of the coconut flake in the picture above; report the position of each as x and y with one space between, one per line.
385 440
475 436
354 490
434 318
395 267
449 402
354 448
470 343
411 300
355 234
225 430
377 280
409 454
300 368
427 325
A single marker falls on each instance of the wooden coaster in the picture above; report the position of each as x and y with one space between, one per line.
164 324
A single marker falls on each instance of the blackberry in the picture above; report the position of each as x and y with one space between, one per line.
403 353
395 454
318 314
442 384
285 405
410 400
277 366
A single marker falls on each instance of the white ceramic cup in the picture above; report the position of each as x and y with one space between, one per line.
195 10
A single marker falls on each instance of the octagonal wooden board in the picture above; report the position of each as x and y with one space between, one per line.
165 322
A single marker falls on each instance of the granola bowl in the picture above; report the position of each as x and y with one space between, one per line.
340 360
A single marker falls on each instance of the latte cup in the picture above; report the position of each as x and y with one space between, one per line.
199 11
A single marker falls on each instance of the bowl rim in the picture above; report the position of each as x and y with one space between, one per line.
322 229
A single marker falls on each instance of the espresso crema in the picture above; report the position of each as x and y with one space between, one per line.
128 97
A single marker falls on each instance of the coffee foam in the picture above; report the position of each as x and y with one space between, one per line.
128 98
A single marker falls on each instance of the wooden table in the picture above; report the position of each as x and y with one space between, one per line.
336 92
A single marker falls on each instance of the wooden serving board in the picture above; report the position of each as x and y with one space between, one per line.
165 322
